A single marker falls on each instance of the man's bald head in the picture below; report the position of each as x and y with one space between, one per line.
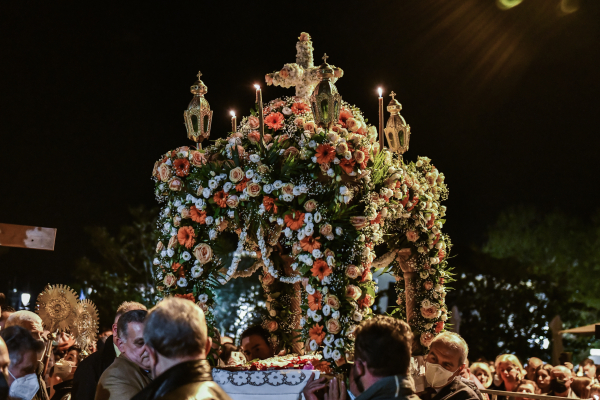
561 372
28 320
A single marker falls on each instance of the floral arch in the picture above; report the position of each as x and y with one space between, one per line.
317 209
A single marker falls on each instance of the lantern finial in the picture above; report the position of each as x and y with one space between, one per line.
325 100
198 116
396 130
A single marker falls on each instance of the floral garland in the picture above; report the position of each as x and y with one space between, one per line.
310 205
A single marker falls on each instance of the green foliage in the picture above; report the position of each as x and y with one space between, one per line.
120 268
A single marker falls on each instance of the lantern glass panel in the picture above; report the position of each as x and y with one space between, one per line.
325 109
194 123
206 123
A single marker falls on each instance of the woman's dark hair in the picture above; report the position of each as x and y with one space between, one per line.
256 330
226 351
384 343
579 386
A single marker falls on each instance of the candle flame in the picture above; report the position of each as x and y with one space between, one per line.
232 113
380 90
596 397
257 87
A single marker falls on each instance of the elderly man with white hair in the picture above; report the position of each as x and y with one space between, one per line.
561 379
28 320
446 359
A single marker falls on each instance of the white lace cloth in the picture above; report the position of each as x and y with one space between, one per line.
285 384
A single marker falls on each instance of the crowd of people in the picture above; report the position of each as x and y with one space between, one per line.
162 354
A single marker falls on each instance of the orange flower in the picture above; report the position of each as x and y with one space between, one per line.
344 115
176 267
320 269
189 296
221 199
274 120
182 166
347 165
309 243
299 108
317 334
242 185
295 220
325 153
314 301
186 236
198 216
269 203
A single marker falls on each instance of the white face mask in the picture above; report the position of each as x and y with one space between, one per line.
436 375
350 395
24 387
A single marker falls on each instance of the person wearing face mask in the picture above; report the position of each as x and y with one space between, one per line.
560 382
4 363
23 352
382 351
443 365
63 370
176 339
90 370
128 374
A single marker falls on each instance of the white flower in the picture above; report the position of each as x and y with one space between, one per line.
339 342
330 261
256 178
254 158
227 186
182 282
316 253
296 191
301 234
327 352
186 256
287 197
196 271
329 339
280 221
200 204
335 314
268 188
339 231
310 289
326 280
309 230
317 317
249 174
336 355
209 220
277 184
287 232
213 184
343 190
317 218
357 316
336 160
212 234
314 159
206 193
313 345
173 231
167 226
203 298
163 253
286 111
168 162
156 261
167 211
326 310
330 173
231 213
312 144
325 290
304 188
302 322
170 252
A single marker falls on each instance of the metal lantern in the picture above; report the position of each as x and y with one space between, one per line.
198 116
396 130
325 99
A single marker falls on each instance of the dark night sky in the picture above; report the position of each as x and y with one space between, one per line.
92 94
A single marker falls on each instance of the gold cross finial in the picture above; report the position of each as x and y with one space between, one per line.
393 94
199 75
325 57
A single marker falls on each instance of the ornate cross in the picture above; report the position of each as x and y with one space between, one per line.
325 57
393 94
199 75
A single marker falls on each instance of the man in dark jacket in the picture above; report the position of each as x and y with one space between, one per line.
443 364
90 370
381 362
177 343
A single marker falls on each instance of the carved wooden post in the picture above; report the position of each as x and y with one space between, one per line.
410 275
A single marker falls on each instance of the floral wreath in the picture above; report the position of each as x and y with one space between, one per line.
314 209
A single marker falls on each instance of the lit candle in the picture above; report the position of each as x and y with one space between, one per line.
233 121
259 103
380 118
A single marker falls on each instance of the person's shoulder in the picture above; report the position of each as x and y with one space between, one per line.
207 390
463 389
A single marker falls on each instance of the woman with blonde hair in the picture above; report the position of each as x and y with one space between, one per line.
482 373
510 370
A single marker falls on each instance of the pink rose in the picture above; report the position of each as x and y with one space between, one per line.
271 325
326 229
155 170
236 175
253 189
367 276
310 205
359 222
169 280
203 306
352 124
223 225
332 301
173 242
185 213
428 285
309 126
159 247
254 122
296 248
430 312
353 272
288 188
203 253
284 73
353 292
198 158
176 220
412 236
341 148
291 151
267 138
299 122
175 184
254 137
269 79
304 37
164 172
233 201
333 326
282 138
426 338
338 72
359 156
199 191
